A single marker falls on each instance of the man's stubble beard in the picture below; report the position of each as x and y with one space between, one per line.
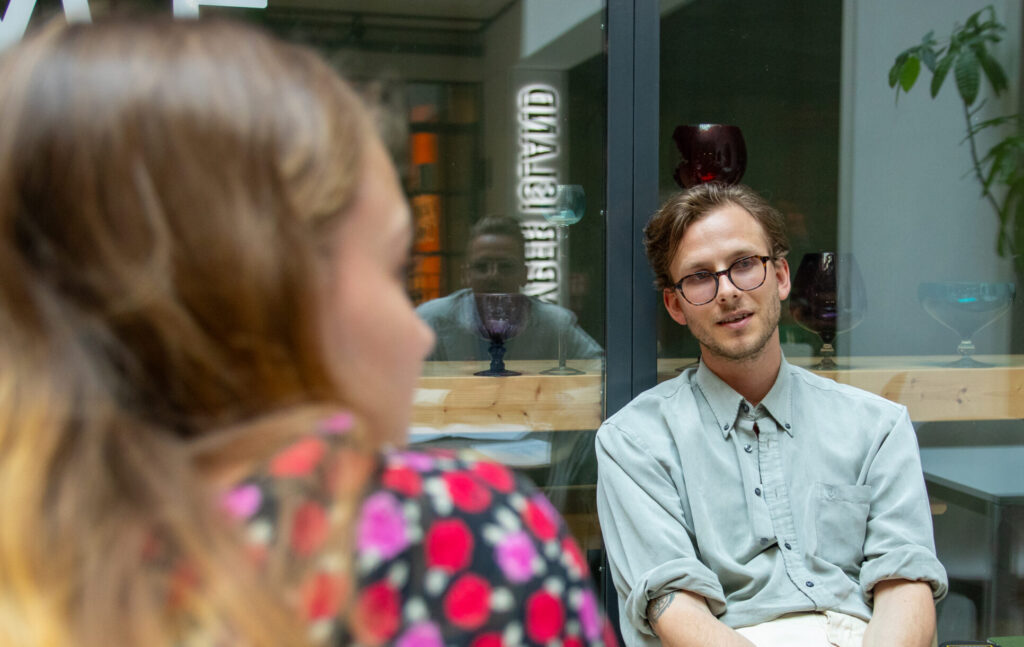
755 350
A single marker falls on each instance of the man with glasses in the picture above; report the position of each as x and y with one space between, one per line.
495 262
748 501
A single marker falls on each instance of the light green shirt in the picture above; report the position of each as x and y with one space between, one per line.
809 514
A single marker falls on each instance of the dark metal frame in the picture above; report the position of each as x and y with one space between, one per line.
632 32
632 185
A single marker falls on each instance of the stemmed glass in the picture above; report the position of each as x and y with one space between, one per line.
828 297
966 308
570 205
501 316
711 153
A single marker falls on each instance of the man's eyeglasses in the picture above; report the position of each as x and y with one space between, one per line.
748 273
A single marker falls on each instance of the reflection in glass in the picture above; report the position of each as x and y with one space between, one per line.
495 263
570 205
966 308
828 297
711 153
501 317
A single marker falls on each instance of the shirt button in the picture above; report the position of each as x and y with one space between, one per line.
788 547
764 541
744 407
809 584
725 427
748 448
787 425
757 491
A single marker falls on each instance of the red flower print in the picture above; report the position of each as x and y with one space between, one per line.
573 641
467 493
544 617
467 604
495 475
449 545
577 565
309 528
540 519
322 596
404 480
376 614
487 640
299 459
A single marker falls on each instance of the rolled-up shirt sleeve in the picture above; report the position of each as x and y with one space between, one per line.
646 532
899 542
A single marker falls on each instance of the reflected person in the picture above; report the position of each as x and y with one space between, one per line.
496 263
748 501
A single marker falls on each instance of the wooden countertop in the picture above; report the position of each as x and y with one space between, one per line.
450 399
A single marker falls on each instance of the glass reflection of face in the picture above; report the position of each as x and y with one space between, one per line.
495 264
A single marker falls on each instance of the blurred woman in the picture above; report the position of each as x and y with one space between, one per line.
206 350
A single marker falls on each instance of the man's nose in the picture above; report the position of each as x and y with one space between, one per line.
726 288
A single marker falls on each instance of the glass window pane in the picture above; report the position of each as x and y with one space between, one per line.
920 308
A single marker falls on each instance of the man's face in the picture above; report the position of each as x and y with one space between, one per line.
495 264
736 325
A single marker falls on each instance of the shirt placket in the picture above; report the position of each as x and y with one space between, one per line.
780 511
747 449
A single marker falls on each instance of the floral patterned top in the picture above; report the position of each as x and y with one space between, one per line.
449 551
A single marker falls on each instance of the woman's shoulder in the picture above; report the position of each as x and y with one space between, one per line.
452 548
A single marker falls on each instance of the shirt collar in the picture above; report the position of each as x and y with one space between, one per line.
725 402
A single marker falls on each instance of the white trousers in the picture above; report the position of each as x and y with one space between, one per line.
826 629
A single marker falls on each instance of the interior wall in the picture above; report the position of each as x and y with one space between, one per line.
909 207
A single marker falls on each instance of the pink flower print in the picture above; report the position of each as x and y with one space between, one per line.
340 423
515 554
381 527
421 634
243 501
590 619
416 460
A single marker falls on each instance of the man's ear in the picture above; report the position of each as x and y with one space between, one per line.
782 277
672 304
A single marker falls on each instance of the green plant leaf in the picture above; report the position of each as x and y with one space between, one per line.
993 70
897 65
967 72
909 72
941 70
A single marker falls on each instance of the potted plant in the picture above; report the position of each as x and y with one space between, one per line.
966 57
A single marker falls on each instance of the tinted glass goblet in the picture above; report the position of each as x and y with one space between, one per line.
500 317
966 308
711 153
827 298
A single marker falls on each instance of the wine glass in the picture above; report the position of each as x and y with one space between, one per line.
828 297
500 317
711 153
966 308
570 205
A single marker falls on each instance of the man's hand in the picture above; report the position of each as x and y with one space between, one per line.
682 619
904 615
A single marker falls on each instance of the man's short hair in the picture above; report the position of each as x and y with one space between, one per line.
498 225
668 226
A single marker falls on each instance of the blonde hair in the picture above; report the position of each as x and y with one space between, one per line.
163 190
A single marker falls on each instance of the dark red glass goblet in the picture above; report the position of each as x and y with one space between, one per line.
711 153
828 297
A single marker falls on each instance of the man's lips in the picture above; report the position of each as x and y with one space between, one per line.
736 318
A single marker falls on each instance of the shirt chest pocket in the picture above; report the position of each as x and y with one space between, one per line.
840 514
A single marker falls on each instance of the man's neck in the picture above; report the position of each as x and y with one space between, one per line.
753 377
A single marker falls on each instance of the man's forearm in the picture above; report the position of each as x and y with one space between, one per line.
682 619
904 615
